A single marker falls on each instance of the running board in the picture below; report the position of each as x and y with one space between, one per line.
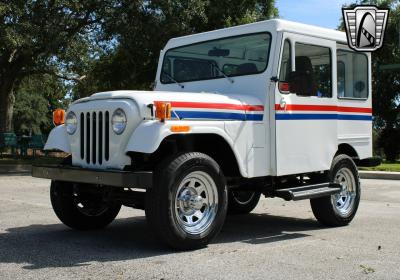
308 191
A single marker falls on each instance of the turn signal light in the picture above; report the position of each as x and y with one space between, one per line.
58 117
180 128
163 110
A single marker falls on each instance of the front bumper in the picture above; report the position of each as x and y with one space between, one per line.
123 179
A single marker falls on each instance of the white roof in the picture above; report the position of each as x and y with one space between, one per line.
273 24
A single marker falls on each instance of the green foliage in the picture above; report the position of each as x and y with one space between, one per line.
48 36
142 28
36 98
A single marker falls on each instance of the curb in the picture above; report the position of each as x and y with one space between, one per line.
10 169
380 175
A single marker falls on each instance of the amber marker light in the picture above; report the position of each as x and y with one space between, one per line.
180 128
163 110
58 117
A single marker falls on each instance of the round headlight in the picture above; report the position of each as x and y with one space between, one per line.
71 122
118 121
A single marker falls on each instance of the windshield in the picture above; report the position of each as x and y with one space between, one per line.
222 58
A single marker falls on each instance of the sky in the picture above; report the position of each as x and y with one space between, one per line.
323 13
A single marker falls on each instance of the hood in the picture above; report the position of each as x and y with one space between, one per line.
196 100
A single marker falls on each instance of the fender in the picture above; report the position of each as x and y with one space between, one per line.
58 140
148 136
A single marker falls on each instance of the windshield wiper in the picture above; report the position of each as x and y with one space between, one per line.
172 79
222 72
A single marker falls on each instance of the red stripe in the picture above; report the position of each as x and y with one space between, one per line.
224 106
325 108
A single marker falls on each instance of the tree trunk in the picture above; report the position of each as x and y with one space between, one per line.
7 100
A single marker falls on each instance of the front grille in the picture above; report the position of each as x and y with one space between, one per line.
95 137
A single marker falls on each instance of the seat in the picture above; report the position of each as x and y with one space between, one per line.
247 68
305 76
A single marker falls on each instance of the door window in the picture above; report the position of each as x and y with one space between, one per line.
313 75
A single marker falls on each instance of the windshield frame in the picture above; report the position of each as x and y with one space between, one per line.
220 77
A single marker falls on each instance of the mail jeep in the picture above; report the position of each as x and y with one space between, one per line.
274 108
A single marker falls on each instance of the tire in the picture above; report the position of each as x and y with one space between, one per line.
186 208
339 209
79 209
242 202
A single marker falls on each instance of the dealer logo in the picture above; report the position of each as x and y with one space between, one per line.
365 27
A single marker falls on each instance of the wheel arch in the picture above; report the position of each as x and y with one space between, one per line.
347 149
211 144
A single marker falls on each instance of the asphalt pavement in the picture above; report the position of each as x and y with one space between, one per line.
279 240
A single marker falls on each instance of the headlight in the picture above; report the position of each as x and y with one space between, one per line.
118 121
71 122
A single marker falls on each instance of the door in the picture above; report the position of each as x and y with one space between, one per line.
305 105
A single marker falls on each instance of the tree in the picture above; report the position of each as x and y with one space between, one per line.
36 37
142 28
37 96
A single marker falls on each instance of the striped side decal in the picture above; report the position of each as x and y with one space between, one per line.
216 111
322 112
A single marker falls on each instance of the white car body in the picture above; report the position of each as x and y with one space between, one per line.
269 133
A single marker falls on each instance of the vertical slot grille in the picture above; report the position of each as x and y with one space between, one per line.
82 135
95 137
107 137
88 138
100 137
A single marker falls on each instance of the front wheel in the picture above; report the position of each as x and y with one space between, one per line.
82 206
188 202
339 209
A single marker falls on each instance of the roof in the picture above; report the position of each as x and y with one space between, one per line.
273 24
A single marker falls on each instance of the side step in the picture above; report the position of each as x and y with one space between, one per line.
308 191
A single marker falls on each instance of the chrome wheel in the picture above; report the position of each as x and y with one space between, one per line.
196 202
344 202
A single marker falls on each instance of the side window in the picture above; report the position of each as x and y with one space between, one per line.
313 76
341 78
352 75
286 63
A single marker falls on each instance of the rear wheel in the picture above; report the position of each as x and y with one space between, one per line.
81 206
188 202
242 202
339 209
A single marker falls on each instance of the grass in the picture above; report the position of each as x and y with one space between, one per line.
385 166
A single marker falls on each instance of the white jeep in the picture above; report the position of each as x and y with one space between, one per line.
274 108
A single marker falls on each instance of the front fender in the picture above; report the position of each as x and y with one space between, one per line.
148 136
58 140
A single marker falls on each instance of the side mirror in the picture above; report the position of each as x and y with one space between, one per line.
301 84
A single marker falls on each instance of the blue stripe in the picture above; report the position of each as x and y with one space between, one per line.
322 117
355 117
218 115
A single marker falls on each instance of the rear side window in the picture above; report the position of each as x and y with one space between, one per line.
352 75
314 66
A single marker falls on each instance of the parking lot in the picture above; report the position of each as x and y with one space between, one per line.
279 240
